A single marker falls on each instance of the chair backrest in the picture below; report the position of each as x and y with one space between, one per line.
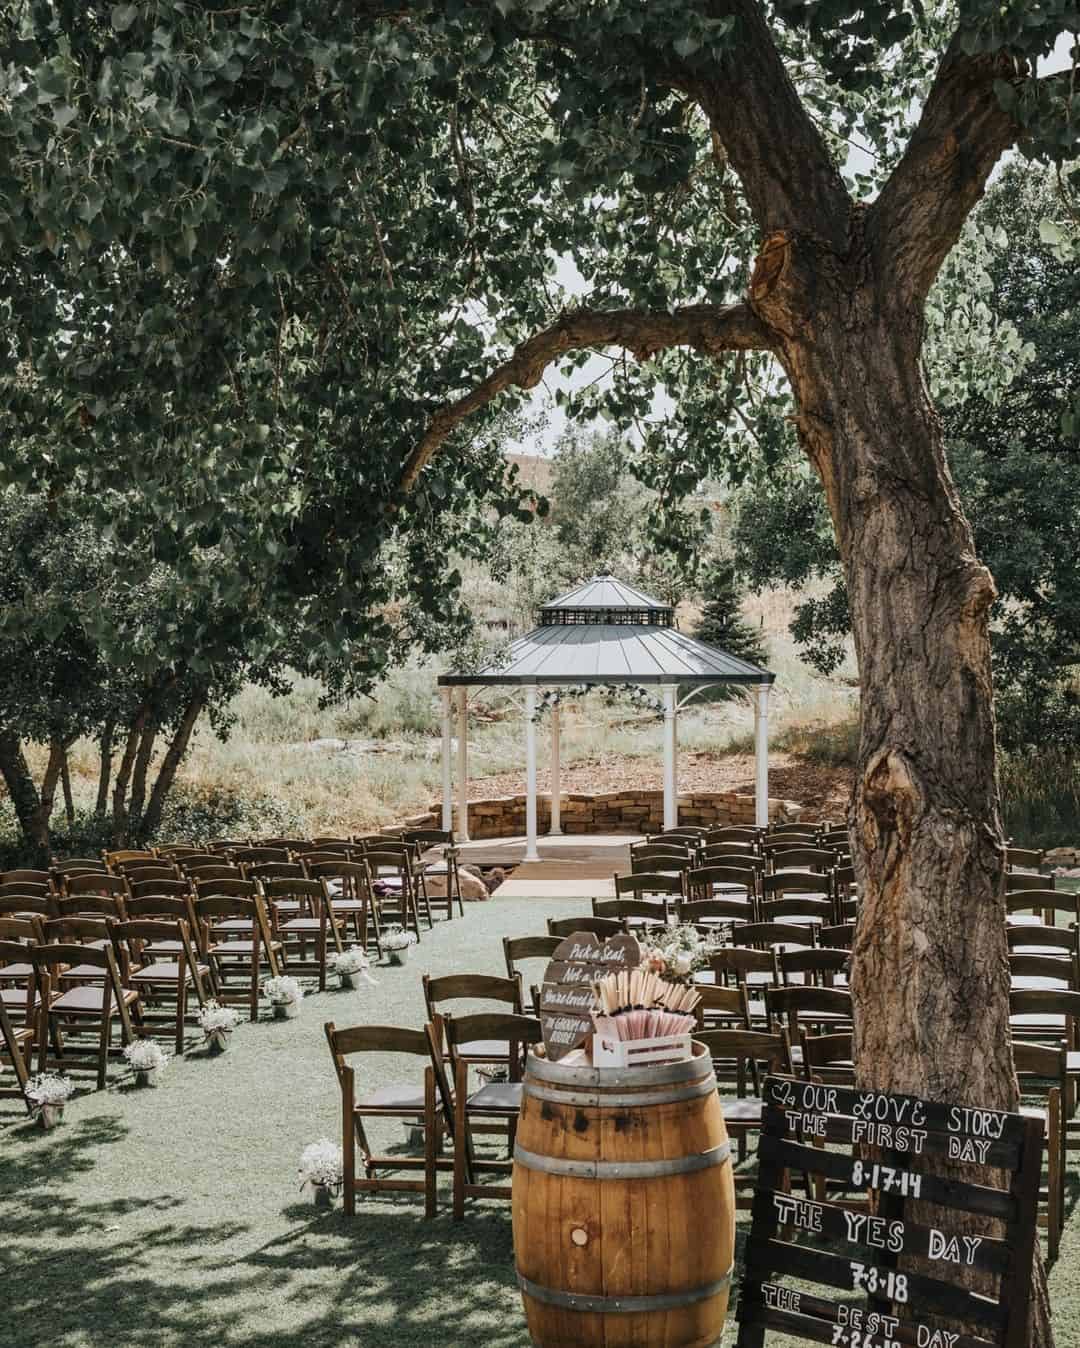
151 870
115 886
518 1031
374 1039
1041 1063
249 856
177 850
652 863
1016 881
130 937
595 926
732 833
174 889
719 1002
336 868
828 1057
13 952
527 948
1026 858
26 876
428 837
666 847
71 930
221 845
300 890
217 873
232 887
837 838
1046 968
709 877
633 911
103 904
647 882
397 859
192 857
731 854
702 910
770 934
817 859
15 888
748 1049
291 845
817 967
778 909
30 929
691 833
796 826
840 936
125 855
471 987
1044 901
28 903
78 866
1048 1002
151 906
739 962
54 953
795 882
1037 938
275 870
210 906
794 1003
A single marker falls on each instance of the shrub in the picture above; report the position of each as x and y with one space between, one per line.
199 813
1040 798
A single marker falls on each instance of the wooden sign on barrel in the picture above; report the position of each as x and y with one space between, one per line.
899 1147
566 999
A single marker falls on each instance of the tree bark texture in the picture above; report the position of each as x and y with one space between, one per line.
143 758
65 782
47 795
930 972
123 775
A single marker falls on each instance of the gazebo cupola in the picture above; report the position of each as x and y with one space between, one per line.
602 632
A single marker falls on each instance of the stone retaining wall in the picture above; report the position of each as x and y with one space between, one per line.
606 812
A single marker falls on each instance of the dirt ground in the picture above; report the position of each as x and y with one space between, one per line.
819 788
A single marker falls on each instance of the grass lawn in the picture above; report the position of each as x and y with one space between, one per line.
172 1216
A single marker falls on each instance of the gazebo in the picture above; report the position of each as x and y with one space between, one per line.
602 632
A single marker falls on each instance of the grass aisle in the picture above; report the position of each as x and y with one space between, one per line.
172 1216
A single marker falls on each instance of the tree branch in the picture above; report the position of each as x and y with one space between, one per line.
961 135
770 139
704 327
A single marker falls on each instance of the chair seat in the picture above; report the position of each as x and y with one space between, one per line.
232 924
496 1097
92 972
1040 1020
349 905
1038 983
88 1001
747 1110
403 1097
169 949
14 999
304 924
22 971
165 971
1072 1064
240 947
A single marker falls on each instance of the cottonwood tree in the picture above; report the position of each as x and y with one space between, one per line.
186 183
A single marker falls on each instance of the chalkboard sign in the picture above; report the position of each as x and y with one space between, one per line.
893 1150
566 998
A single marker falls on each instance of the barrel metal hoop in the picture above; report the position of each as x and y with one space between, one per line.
665 1074
622 1170
621 1100
628 1305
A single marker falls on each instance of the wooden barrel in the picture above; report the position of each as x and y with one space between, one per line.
624 1205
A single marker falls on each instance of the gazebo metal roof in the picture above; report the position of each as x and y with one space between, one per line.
607 632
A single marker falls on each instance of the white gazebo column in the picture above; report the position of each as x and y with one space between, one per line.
531 854
556 799
671 790
761 756
462 832
447 756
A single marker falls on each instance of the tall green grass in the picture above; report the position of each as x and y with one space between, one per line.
1040 798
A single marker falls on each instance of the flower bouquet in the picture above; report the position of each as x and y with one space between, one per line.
285 995
147 1059
217 1022
48 1092
677 953
322 1167
397 942
351 965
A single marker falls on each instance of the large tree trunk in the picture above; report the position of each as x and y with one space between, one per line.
930 973
169 764
47 794
123 776
143 756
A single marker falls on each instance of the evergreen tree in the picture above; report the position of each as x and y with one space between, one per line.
722 623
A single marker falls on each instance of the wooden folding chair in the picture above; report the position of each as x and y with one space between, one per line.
643 885
235 938
743 834
158 980
312 923
722 882
419 1104
493 1102
517 948
473 988
745 1056
91 887
817 860
639 915
745 967
17 991
839 936
424 840
715 917
78 1008
26 876
815 967
774 935
800 1007
348 885
124 856
28 905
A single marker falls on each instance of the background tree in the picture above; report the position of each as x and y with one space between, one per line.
721 622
